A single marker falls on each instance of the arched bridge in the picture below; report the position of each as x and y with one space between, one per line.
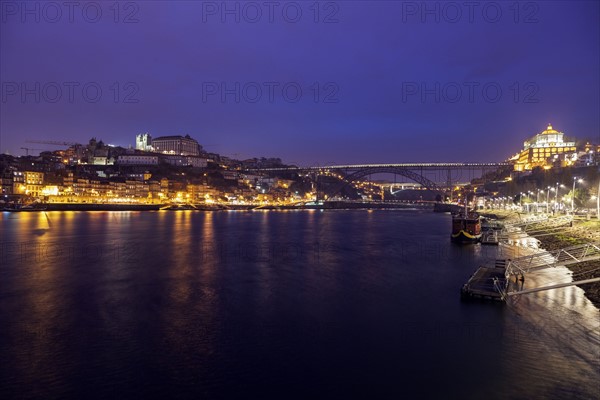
363 172
413 171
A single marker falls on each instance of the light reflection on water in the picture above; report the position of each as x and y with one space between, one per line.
290 303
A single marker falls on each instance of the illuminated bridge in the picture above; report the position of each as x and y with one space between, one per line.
432 176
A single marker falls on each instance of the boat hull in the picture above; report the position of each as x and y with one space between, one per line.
464 237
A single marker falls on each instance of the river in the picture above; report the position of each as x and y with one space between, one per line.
286 304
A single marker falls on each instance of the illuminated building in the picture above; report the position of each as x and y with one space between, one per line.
81 187
7 182
545 150
18 183
68 180
180 145
101 160
33 183
51 190
181 161
143 142
138 159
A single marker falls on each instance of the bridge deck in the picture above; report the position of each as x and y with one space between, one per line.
400 165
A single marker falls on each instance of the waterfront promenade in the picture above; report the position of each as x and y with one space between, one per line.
581 231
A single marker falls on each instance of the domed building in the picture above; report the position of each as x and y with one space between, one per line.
545 150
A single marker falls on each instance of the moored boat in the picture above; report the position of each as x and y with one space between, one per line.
466 226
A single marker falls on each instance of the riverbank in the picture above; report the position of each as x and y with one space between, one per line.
85 207
582 231
328 205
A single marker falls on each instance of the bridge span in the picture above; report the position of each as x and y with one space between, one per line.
350 173
424 166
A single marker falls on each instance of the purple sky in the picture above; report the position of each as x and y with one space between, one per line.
373 63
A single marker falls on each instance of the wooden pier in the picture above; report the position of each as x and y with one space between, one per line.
486 283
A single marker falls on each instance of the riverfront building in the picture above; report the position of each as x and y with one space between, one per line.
546 149
33 183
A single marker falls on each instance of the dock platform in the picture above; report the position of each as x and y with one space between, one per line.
490 238
481 284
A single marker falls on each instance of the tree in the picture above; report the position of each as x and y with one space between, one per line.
581 196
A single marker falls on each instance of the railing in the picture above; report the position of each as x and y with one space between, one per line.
555 286
534 226
543 223
548 259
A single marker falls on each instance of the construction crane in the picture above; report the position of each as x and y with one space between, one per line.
52 142
29 148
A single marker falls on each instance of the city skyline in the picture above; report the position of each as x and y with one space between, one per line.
378 84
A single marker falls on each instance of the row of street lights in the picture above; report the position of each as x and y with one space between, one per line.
556 190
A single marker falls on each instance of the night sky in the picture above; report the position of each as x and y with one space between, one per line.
171 68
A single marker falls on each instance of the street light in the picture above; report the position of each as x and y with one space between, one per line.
598 202
521 200
575 180
547 199
556 196
529 194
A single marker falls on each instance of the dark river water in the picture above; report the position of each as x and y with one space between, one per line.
298 304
